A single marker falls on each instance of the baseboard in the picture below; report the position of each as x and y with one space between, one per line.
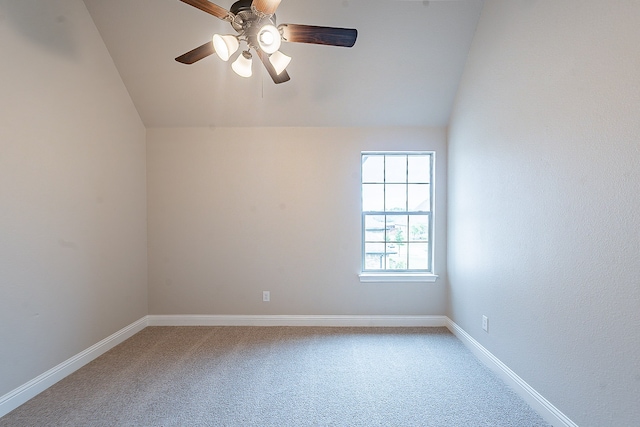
549 412
283 320
20 395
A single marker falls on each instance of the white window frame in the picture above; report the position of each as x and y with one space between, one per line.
427 275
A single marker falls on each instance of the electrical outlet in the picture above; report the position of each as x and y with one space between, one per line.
266 296
485 323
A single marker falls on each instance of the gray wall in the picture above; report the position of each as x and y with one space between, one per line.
72 190
235 211
544 183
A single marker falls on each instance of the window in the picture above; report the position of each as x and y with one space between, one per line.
397 214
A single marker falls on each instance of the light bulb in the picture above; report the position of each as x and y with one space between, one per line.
269 39
266 38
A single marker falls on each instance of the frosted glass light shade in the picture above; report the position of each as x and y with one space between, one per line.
269 39
225 46
279 61
242 65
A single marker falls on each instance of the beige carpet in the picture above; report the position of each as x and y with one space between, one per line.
281 376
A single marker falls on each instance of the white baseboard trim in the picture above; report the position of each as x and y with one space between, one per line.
284 320
27 391
20 395
546 410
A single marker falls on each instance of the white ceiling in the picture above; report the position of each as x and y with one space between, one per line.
404 69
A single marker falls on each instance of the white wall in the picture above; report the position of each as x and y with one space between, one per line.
235 211
544 183
72 190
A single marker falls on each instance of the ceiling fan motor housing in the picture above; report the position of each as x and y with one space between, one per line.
248 22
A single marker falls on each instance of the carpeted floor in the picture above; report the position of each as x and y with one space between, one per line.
281 376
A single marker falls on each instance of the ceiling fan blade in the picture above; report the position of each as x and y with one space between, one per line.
268 7
209 7
345 37
197 54
277 78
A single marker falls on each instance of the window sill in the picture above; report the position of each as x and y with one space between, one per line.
397 277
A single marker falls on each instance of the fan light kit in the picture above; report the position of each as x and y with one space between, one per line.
242 65
255 23
225 46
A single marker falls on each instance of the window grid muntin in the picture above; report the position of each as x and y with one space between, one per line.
408 213
386 240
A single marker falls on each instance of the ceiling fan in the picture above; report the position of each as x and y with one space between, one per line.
255 23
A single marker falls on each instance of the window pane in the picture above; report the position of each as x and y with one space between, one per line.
372 197
397 228
396 197
419 197
397 259
396 169
372 168
374 228
396 211
374 256
419 228
419 169
418 256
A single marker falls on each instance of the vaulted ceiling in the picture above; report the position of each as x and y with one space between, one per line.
404 69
